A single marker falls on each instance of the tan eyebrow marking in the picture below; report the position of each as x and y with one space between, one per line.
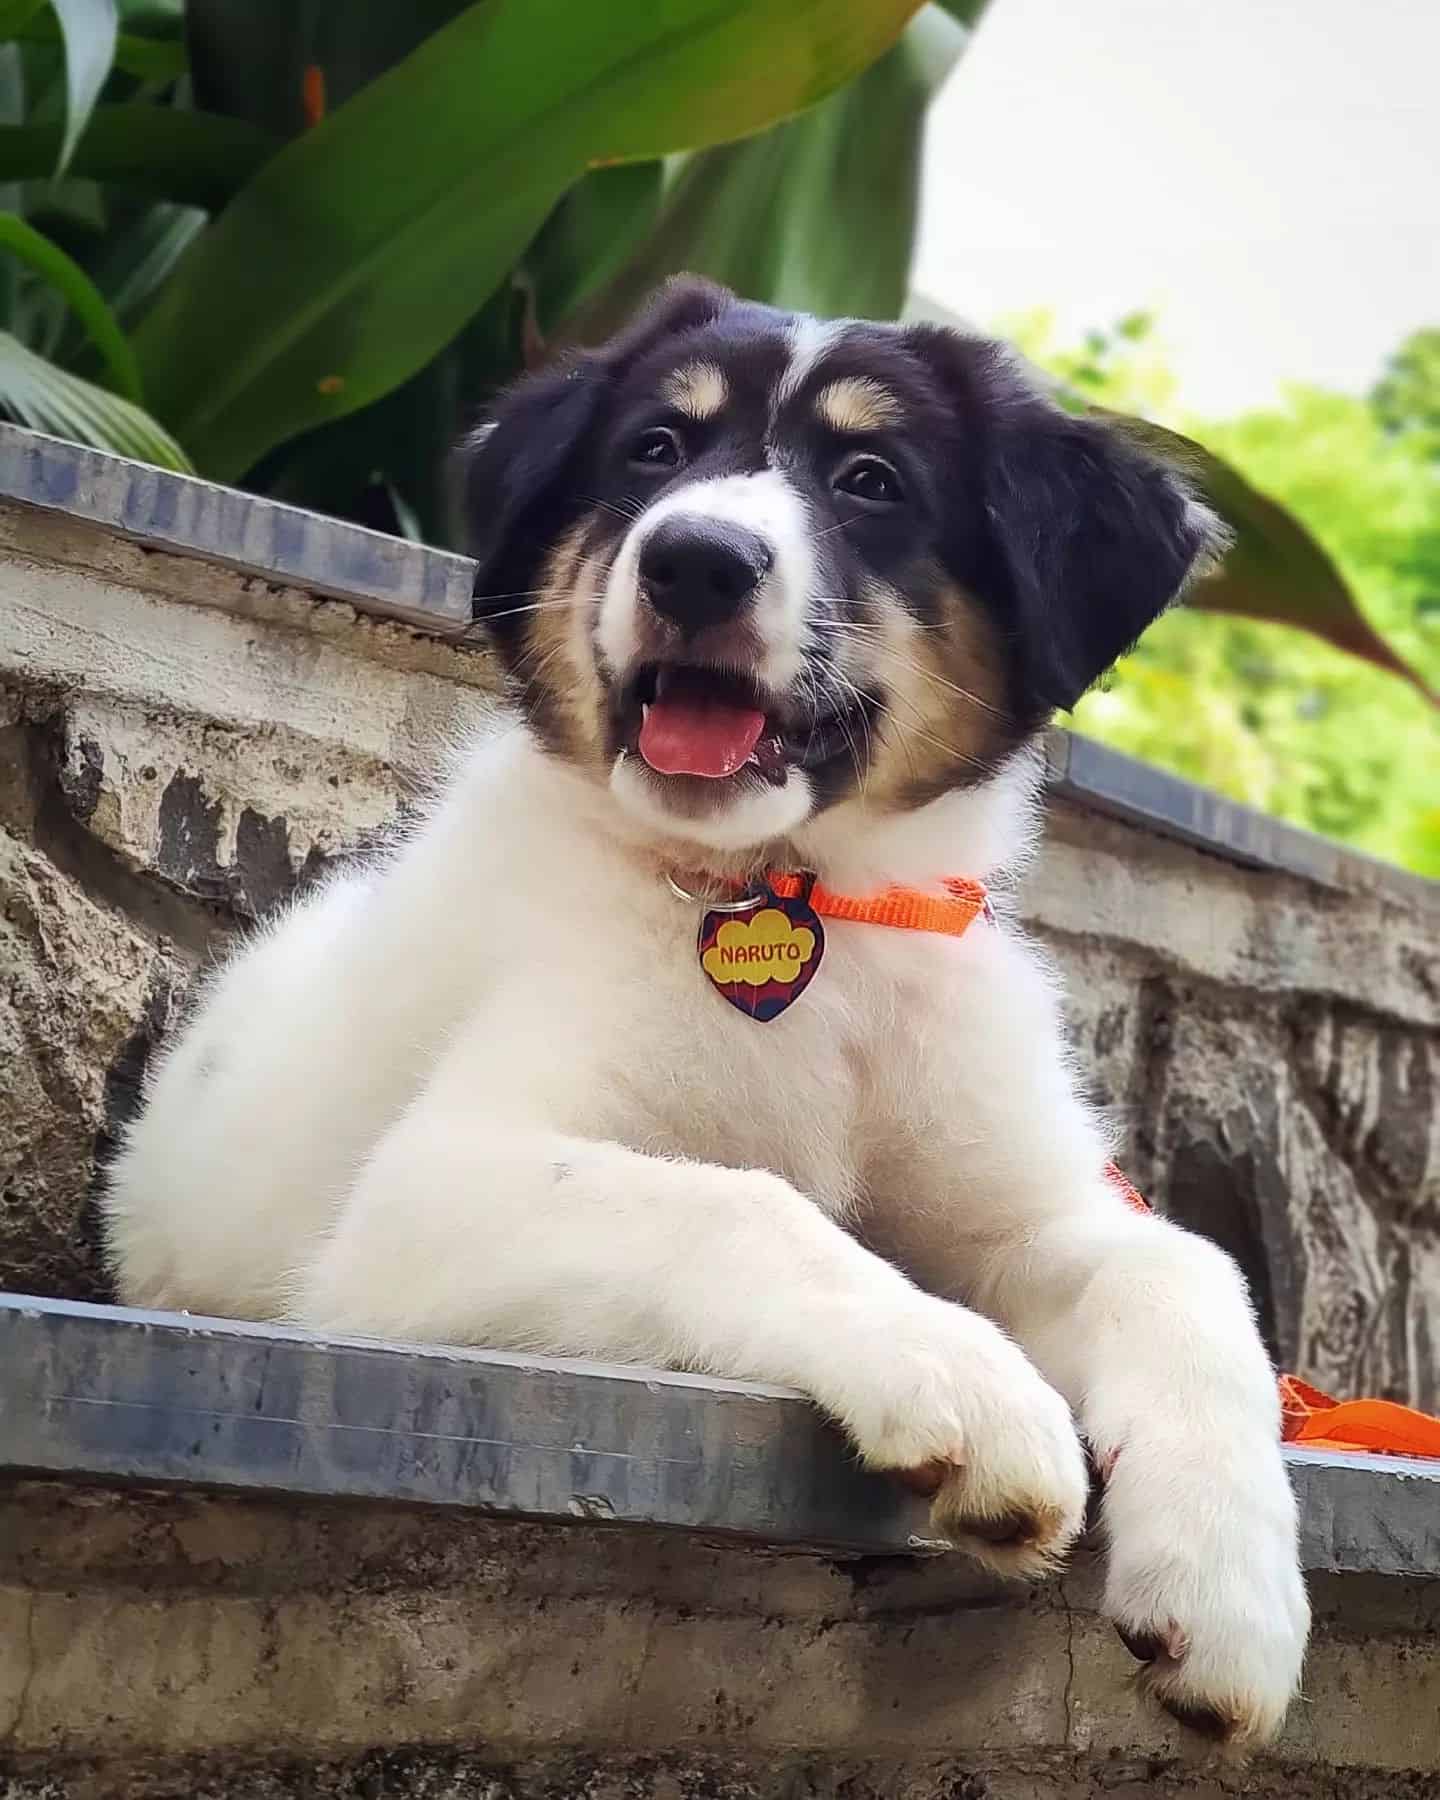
698 390
857 404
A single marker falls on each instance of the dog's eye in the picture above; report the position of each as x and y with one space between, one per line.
868 478
658 448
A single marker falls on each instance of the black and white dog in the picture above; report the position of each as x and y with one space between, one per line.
777 595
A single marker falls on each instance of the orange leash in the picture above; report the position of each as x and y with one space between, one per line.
1321 1422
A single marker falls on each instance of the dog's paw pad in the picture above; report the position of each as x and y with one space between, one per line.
1148 1645
1205 1721
928 1479
1014 1530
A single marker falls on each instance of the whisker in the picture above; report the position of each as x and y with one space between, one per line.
512 612
962 756
883 648
850 693
520 594
626 509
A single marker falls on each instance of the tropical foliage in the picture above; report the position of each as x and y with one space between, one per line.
295 247
310 239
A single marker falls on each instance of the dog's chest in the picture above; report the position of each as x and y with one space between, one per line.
653 1055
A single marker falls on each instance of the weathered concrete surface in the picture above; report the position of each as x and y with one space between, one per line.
178 1644
1270 1051
180 743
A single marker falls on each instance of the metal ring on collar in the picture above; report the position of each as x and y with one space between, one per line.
726 906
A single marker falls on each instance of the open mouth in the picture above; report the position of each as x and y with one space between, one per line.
685 719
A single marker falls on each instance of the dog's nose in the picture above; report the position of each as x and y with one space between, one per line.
700 572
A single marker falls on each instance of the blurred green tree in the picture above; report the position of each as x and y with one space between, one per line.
1265 713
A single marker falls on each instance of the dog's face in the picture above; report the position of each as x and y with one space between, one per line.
742 564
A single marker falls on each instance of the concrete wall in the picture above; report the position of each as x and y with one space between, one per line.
194 1647
184 734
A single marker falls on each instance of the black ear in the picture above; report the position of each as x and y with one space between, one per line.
514 465
518 464
1097 539
1086 537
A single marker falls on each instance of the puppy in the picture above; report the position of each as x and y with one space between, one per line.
780 599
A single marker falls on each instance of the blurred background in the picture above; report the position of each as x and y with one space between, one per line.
293 245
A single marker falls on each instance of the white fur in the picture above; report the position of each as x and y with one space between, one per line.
480 1092
810 338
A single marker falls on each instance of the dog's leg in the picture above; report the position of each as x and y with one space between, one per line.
1148 1329
467 1230
997 1192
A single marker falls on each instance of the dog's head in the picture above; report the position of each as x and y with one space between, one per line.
742 564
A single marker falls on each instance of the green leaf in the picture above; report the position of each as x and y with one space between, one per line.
156 54
90 28
37 394
12 109
362 247
150 58
15 15
779 217
84 298
587 238
407 438
255 69
135 263
1275 570
195 158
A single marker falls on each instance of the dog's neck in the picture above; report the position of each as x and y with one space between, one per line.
985 833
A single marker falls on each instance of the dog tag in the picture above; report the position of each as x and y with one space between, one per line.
762 961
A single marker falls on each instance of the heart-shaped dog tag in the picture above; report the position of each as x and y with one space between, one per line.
762 960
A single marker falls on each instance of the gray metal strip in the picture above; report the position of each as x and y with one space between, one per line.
1370 1515
102 1393
106 1394
1103 780
282 544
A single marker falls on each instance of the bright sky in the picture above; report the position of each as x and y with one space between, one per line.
1264 174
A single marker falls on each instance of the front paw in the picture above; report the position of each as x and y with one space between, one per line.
1204 1584
956 1409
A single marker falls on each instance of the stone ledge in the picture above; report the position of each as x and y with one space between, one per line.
375 573
1097 779
99 1393
430 589
96 1392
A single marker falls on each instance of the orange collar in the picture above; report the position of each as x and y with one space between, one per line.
906 909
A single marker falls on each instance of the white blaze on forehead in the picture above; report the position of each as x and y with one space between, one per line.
857 404
809 340
698 390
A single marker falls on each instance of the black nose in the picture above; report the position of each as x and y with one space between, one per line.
700 571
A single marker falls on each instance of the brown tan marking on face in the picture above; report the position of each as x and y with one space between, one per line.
857 404
944 723
561 686
698 390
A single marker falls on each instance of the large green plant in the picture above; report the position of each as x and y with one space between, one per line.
297 246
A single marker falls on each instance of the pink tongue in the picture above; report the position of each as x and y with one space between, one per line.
690 736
